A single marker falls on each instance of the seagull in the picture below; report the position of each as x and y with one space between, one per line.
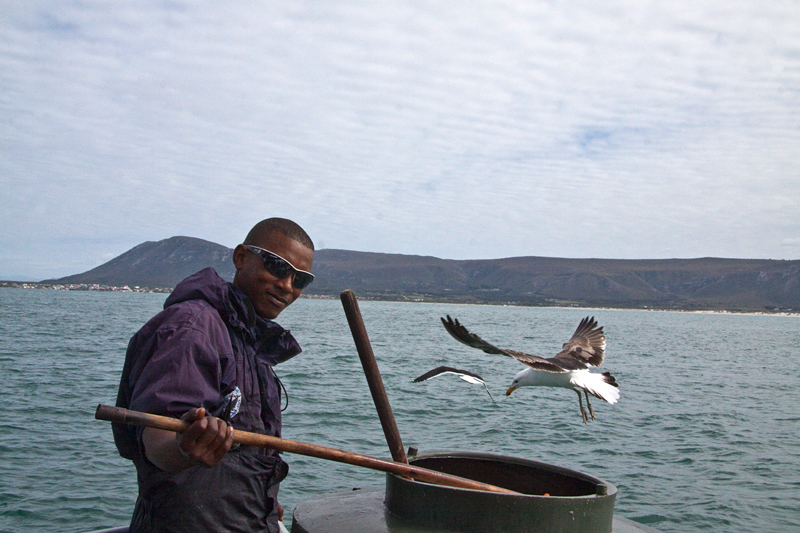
568 369
467 376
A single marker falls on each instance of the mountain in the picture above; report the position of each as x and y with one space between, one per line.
704 283
158 264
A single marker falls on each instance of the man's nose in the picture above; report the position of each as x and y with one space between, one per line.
286 283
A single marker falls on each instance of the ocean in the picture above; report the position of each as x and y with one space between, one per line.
706 436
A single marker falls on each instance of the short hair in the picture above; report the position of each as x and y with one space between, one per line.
283 225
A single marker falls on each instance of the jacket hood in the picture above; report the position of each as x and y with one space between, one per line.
234 307
204 285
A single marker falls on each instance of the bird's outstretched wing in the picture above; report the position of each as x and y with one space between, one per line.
461 334
466 375
473 378
587 345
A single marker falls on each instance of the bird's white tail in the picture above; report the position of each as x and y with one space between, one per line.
604 386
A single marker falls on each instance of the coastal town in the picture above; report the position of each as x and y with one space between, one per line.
80 287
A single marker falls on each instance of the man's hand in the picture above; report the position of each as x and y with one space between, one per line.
205 442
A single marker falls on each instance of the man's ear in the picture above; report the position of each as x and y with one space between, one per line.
239 256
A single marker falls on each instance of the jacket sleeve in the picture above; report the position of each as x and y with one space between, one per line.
190 364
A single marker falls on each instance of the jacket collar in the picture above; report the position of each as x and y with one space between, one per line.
238 311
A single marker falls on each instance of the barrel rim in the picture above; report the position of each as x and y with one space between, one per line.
601 484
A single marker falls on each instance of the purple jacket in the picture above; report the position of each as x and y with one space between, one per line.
206 342
206 348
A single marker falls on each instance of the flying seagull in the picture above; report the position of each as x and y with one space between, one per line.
568 369
467 376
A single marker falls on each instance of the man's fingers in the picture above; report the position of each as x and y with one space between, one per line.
222 441
224 446
214 433
207 439
229 438
194 432
188 440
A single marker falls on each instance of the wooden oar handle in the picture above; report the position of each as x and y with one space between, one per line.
373 374
136 418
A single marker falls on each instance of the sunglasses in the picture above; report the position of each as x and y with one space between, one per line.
280 267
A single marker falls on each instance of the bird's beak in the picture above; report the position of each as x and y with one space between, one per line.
511 389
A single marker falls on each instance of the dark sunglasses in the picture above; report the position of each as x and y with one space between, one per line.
280 267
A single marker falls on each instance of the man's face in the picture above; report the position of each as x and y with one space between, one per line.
269 294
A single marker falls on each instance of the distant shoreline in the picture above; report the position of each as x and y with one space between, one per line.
583 307
96 287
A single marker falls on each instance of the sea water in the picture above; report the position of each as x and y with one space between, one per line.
706 435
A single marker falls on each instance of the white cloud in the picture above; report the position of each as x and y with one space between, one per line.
458 130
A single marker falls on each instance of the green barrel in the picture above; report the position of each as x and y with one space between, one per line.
553 500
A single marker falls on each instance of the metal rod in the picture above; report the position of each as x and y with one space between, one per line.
126 416
374 379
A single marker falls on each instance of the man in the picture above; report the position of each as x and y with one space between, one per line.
208 358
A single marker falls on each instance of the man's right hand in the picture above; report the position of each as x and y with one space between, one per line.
205 442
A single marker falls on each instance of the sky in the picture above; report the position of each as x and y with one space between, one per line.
455 129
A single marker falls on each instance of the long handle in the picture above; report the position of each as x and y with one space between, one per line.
136 418
374 379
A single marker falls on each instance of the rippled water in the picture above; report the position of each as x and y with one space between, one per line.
705 437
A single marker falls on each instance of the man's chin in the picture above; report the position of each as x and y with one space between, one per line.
269 311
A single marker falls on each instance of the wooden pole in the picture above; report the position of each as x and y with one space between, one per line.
136 418
374 379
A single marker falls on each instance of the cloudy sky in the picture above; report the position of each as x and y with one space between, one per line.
458 129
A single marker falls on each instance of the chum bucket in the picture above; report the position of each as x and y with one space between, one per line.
553 500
